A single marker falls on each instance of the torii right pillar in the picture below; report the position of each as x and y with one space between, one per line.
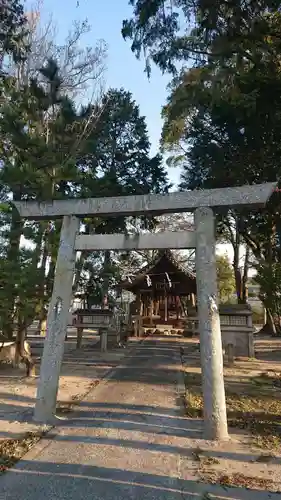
215 417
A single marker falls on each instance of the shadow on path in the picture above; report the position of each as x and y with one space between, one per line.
36 480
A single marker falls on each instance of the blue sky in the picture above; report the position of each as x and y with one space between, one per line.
123 69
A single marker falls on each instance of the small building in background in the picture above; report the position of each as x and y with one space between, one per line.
164 291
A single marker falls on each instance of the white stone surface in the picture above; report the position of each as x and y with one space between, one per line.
255 195
170 239
57 320
215 420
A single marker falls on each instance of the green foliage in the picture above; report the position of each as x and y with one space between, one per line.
225 277
171 32
121 144
117 161
222 121
13 30
269 278
258 316
51 150
211 120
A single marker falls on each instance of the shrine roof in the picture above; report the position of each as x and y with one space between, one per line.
150 268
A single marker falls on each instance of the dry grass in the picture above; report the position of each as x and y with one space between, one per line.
253 400
257 410
209 470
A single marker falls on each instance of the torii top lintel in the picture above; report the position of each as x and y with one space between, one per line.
242 196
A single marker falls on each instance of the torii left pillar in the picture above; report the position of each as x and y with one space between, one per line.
57 321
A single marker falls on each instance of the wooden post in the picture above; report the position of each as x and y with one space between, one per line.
79 338
141 308
230 353
136 326
103 340
192 299
166 307
264 316
151 310
144 306
157 307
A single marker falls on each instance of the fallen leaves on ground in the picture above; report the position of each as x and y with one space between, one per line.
238 480
11 450
260 413
253 403
69 406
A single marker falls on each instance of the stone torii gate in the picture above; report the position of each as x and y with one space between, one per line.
200 202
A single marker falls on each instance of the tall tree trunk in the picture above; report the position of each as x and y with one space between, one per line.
106 265
51 276
78 271
53 245
8 312
42 285
42 320
237 272
244 296
269 328
22 353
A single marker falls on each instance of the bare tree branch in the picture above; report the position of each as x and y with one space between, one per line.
82 69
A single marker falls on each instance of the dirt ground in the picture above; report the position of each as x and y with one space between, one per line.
252 457
81 371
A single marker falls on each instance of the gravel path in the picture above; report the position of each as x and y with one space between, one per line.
128 440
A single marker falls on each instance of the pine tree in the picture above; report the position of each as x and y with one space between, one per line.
13 30
117 162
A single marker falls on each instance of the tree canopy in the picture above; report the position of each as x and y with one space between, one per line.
13 30
171 32
51 148
225 277
222 117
